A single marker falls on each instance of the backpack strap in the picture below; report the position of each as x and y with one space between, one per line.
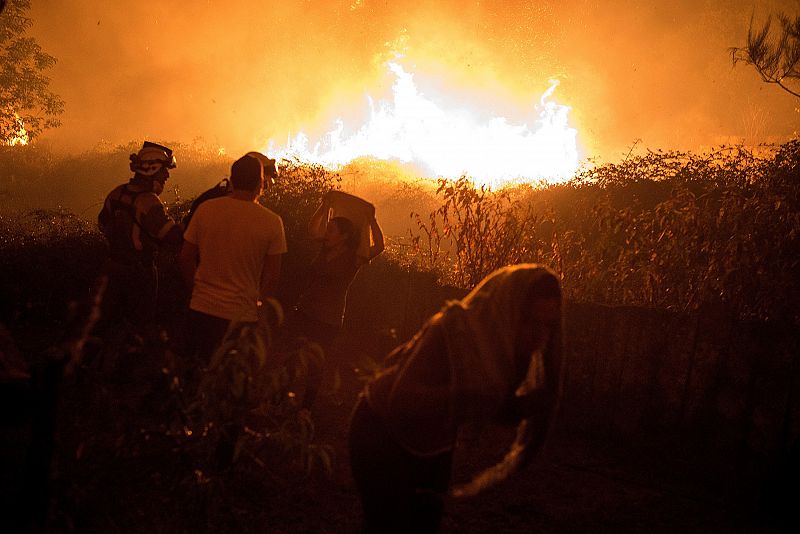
219 190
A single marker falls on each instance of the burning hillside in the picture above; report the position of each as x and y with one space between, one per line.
443 138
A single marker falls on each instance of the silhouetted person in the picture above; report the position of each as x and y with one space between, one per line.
493 356
136 225
320 309
231 258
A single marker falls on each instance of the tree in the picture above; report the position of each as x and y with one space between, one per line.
27 106
777 61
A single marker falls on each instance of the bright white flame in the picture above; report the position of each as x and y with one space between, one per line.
450 142
20 135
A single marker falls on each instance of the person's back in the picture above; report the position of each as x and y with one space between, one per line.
126 225
230 259
325 295
234 237
136 225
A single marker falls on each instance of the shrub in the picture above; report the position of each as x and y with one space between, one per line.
672 230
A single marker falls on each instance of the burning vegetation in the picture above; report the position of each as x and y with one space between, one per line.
465 181
440 138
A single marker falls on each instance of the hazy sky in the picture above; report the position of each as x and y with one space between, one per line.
239 72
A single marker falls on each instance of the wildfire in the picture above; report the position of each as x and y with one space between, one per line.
447 141
19 135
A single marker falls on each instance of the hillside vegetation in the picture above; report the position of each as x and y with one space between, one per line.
673 230
134 423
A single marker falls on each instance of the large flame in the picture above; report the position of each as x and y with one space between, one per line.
19 136
448 141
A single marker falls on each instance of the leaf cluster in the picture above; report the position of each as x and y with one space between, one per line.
476 230
25 96
297 192
48 258
138 414
248 396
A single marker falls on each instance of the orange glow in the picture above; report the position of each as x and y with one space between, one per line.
446 140
20 135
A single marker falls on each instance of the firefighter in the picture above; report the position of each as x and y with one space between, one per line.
136 224
270 169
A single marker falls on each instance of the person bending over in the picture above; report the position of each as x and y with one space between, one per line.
494 356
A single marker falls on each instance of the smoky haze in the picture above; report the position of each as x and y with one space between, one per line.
241 72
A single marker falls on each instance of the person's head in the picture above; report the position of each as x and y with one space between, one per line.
341 232
247 175
270 167
518 307
151 166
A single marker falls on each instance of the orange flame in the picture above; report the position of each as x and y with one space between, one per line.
20 134
417 129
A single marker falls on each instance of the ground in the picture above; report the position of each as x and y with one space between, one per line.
579 485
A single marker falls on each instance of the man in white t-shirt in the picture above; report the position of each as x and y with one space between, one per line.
231 258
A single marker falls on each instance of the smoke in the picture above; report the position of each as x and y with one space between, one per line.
237 74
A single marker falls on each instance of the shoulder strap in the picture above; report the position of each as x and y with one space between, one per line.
129 206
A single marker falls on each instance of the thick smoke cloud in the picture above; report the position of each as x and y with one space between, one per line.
236 73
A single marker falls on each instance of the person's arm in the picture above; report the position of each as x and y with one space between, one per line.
318 222
155 221
377 238
104 219
538 409
513 461
270 274
187 261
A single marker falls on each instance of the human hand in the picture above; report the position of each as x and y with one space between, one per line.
485 480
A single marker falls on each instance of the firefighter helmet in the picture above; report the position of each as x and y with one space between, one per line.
270 167
152 158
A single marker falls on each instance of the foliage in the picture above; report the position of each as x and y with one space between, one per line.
672 230
486 230
25 98
247 397
154 421
297 194
183 437
48 259
776 60
33 176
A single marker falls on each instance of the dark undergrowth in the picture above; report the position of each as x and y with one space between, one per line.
130 437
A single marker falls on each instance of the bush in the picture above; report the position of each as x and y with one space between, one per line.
48 258
671 230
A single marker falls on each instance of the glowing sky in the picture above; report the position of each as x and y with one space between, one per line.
240 72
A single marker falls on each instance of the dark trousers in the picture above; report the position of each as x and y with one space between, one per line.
400 491
298 324
203 333
130 294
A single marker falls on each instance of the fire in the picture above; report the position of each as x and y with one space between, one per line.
450 142
19 136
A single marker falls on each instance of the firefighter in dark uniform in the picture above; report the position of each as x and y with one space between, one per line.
136 224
